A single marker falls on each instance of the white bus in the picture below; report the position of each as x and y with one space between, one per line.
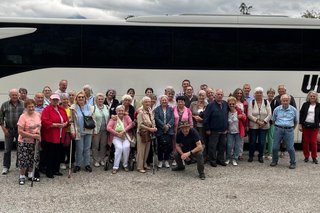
223 51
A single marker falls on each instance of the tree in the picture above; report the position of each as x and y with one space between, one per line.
244 9
311 14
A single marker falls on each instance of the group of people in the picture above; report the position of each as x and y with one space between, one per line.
60 128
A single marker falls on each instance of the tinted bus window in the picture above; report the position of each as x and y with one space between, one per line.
50 45
205 48
270 49
136 47
311 49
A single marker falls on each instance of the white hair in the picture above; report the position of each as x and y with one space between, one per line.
258 89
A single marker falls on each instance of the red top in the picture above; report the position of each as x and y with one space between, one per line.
242 122
48 117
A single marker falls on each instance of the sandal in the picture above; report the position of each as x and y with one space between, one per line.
22 181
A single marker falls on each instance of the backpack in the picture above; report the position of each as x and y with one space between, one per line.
264 100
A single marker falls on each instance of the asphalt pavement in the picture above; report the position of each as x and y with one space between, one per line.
248 187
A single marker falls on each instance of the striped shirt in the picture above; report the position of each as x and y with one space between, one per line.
10 113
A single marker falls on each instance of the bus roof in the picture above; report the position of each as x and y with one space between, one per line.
185 20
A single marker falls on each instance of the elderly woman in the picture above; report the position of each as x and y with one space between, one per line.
197 108
47 93
169 91
259 114
120 136
128 108
236 131
29 125
309 125
165 123
111 102
82 135
99 143
146 127
72 95
181 113
89 94
68 136
134 102
269 138
54 122
242 104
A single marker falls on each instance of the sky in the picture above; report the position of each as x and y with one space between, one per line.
119 9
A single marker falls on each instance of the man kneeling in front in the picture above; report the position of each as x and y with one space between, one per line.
188 145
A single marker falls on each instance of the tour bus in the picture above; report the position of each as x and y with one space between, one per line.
222 51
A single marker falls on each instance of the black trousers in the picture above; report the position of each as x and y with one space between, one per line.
53 152
198 156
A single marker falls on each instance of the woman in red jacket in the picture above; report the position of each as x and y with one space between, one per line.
54 119
236 130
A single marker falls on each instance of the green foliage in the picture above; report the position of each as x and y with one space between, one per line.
311 14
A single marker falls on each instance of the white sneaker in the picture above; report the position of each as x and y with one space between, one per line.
96 164
174 163
5 171
160 164
63 166
269 157
234 163
227 162
102 163
166 164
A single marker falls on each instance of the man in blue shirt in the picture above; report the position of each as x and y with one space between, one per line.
285 120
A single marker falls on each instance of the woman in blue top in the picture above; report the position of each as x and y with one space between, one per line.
164 119
82 135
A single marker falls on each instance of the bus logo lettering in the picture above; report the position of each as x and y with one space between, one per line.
308 85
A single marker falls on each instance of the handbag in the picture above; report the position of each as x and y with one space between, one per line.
308 125
88 121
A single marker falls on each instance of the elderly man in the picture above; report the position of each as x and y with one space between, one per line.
9 115
285 121
188 145
216 126
39 99
63 85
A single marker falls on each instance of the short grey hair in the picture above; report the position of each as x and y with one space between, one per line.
126 97
258 89
285 96
145 98
119 107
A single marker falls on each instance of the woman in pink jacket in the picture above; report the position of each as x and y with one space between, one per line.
120 137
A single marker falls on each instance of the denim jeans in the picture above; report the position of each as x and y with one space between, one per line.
9 141
257 139
233 145
288 136
83 150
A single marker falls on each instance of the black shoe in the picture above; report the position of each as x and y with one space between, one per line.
37 173
202 176
49 175
314 160
261 160
273 164
76 169
88 168
306 160
58 173
250 159
292 166
222 163
178 169
213 164
34 179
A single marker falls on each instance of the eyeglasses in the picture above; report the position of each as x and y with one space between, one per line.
80 96
231 104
